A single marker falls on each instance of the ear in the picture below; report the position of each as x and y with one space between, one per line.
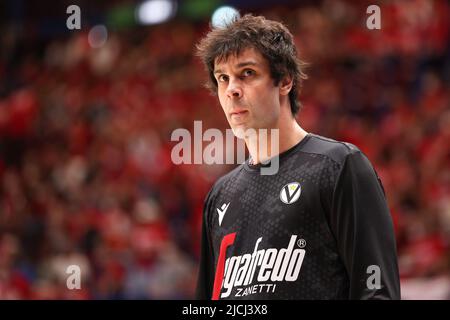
286 85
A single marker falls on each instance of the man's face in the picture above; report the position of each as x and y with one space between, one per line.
247 92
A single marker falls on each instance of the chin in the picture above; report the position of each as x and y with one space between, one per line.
239 132
243 132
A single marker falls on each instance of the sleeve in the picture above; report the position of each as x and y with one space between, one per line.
205 278
364 231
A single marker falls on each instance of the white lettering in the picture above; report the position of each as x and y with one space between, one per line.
274 264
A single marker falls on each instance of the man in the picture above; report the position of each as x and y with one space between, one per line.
319 228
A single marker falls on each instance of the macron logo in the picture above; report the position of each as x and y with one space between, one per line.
222 211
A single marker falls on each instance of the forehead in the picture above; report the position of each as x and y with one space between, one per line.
234 60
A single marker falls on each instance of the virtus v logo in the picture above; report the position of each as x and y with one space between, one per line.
290 192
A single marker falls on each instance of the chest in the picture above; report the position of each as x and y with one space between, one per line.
272 208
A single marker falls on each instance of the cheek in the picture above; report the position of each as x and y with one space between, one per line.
268 99
269 106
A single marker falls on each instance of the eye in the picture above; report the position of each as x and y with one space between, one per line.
222 78
248 72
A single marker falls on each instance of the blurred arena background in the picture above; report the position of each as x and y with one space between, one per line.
86 176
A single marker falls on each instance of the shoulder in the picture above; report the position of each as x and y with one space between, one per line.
352 164
338 151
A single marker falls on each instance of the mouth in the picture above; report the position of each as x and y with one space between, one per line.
238 112
238 117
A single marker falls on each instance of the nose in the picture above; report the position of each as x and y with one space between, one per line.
234 89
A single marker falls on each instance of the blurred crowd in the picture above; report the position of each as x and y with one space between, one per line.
86 176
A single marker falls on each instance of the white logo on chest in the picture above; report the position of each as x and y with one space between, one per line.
222 212
290 192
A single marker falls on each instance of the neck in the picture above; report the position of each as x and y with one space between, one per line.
263 146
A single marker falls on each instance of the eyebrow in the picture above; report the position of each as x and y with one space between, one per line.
239 65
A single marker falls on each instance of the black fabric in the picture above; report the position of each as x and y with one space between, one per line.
324 245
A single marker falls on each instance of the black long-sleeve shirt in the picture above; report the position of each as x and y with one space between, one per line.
319 228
